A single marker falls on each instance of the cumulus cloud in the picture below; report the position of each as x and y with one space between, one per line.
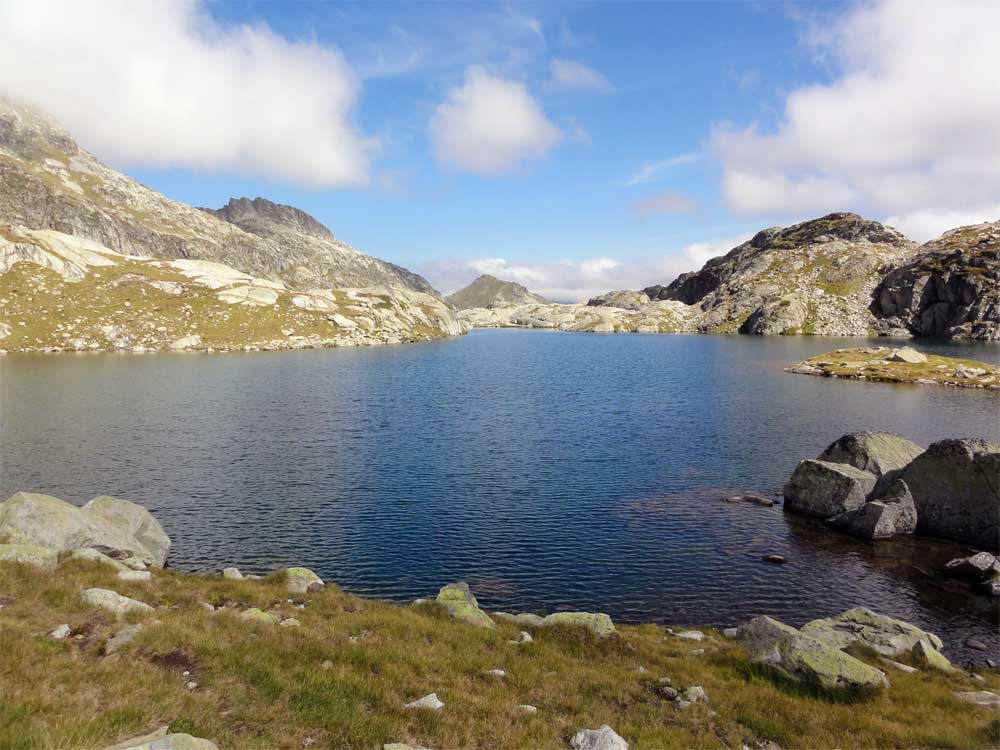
577 280
653 170
569 74
669 202
909 127
160 84
490 125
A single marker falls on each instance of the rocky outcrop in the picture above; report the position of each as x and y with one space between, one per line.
804 658
48 182
603 738
951 288
113 602
163 739
951 490
956 490
489 292
887 635
814 277
64 293
461 604
623 298
655 317
115 527
597 623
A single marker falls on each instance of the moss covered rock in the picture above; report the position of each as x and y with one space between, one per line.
29 554
461 604
302 580
597 623
887 635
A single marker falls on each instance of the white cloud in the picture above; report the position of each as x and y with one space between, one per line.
160 84
669 202
569 74
909 127
652 170
489 125
577 280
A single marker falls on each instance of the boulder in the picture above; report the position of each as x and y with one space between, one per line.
430 701
598 623
824 489
302 580
161 740
233 574
888 636
604 738
956 490
462 605
122 638
29 554
879 453
982 698
117 528
979 567
805 659
524 618
929 657
113 602
907 354
894 513
255 614
134 575
92 555
133 522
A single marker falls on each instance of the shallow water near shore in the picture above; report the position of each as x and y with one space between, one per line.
549 470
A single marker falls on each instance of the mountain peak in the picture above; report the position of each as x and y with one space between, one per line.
490 292
245 213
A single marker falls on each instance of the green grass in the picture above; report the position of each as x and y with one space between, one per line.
341 679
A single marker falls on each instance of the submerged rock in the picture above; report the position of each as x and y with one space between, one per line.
598 623
461 604
804 658
978 567
888 636
825 489
604 738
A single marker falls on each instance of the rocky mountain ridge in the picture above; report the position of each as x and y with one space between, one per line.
489 292
48 182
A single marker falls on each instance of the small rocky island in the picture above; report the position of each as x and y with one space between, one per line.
110 649
904 365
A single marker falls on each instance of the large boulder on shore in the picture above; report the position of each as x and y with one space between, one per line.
881 453
597 623
825 489
29 554
117 528
956 490
461 604
893 513
804 658
887 635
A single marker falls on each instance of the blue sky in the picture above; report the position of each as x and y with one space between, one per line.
570 146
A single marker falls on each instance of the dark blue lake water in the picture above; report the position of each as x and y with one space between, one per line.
550 470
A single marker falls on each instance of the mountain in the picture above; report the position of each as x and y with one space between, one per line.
814 277
60 292
48 182
490 293
950 288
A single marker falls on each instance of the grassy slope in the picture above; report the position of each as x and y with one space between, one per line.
265 686
940 370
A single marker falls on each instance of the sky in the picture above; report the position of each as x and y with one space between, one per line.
572 147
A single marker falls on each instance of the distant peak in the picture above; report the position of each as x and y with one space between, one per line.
242 211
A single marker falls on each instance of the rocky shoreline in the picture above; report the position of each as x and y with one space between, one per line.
904 365
127 611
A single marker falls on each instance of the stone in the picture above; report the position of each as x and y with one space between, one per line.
430 702
496 673
161 740
524 618
690 635
695 694
964 371
976 644
403 746
901 667
729 632
982 698
92 555
929 657
604 738
29 554
461 604
990 587
954 487
528 709
824 489
977 567
255 614
894 513
113 602
880 453
134 575
290 622
186 342
907 354
884 634
805 659
302 580
598 623
775 559
122 638
232 574
117 528
61 632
